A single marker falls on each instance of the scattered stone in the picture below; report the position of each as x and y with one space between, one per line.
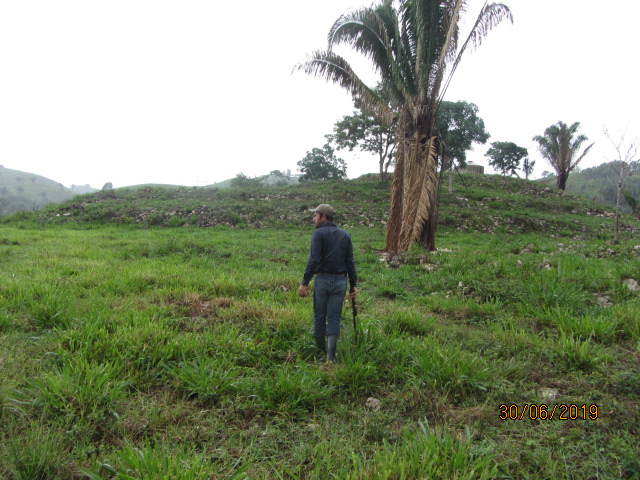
373 404
528 249
544 266
631 284
392 260
604 301
548 394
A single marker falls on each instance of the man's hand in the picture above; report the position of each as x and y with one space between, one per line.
353 292
303 290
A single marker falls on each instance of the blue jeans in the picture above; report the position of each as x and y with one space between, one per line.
328 296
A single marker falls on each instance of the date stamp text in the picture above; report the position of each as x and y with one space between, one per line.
562 411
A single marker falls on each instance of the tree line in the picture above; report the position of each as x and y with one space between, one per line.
458 126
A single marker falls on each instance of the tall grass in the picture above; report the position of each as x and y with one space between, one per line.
428 454
76 390
186 353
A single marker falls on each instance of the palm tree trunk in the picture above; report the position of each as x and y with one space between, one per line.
561 182
428 229
414 184
394 223
412 217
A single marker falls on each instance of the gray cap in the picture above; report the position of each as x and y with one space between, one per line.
326 209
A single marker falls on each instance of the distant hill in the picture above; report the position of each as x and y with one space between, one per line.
273 179
82 189
600 184
27 191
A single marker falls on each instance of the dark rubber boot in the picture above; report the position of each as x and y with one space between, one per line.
332 341
320 344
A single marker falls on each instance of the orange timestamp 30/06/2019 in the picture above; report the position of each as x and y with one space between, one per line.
543 411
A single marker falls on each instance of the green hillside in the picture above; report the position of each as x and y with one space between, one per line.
27 191
481 204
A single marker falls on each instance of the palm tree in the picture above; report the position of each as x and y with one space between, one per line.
560 148
413 46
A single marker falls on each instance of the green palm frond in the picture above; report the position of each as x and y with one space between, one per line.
579 159
334 68
373 33
449 46
490 16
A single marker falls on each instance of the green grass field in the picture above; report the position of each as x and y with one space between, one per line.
185 353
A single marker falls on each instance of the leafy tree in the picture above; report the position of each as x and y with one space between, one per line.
559 146
413 45
242 181
322 164
365 132
505 157
277 178
458 126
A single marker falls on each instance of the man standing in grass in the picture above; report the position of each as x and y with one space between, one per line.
331 261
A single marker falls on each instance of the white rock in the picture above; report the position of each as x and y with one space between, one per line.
373 404
631 284
548 393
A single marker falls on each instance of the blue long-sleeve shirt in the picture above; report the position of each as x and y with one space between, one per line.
331 252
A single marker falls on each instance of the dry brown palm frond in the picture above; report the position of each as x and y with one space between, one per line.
586 150
426 204
417 200
423 202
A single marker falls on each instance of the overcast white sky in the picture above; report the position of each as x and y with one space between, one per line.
193 92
